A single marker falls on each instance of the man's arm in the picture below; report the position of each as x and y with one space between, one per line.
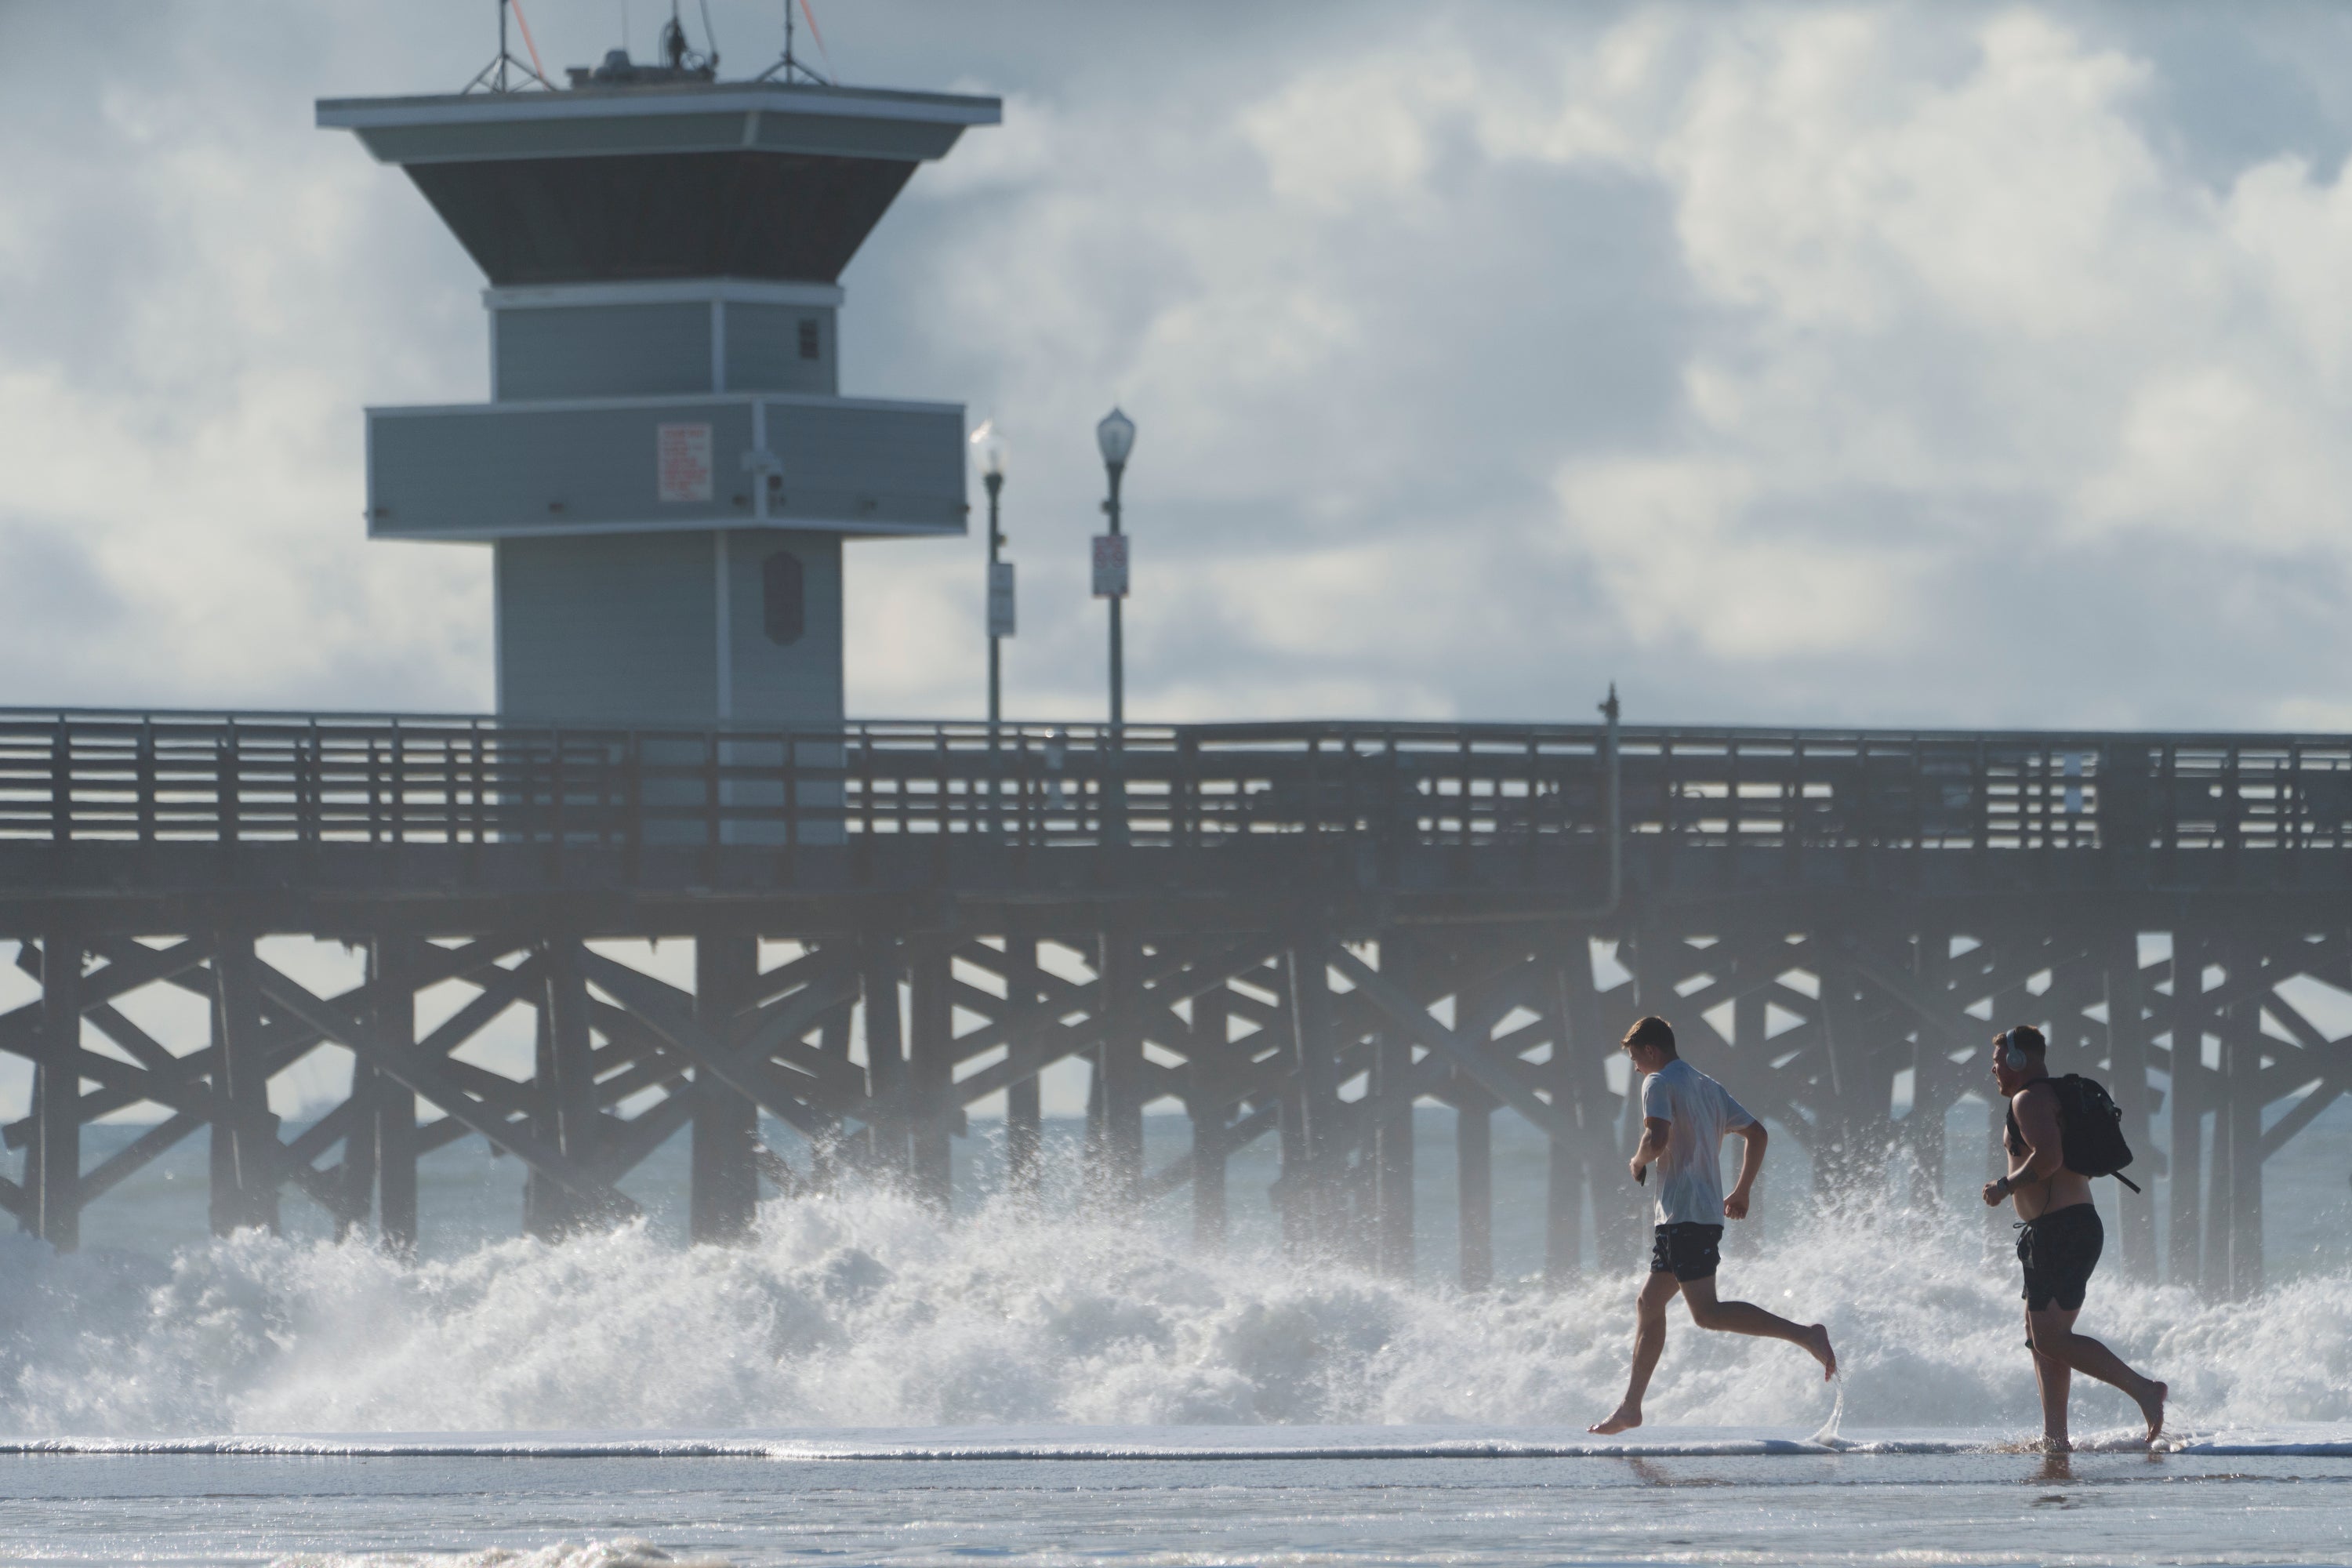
2045 1155
1752 1140
1653 1146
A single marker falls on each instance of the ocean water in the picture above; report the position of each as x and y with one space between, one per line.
1034 1382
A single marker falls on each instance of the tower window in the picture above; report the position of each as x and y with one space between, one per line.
808 338
783 606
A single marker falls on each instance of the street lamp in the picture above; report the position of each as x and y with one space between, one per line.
1116 436
988 456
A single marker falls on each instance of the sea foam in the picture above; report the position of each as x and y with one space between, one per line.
865 1310
622 1552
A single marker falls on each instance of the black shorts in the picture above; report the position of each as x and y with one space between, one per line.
1685 1250
2059 1251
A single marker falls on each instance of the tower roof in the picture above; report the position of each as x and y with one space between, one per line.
600 183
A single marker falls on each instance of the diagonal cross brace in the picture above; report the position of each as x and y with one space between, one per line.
399 1060
739 1064
1492 1072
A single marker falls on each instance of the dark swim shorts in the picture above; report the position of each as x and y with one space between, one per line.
1685 1250
2059 1251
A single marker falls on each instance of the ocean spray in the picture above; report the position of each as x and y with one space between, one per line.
865 1308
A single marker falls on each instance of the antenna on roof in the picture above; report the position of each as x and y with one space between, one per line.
789 69
678 56
501 74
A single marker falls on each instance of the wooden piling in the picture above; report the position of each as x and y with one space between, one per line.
393 1112
243 1088
723 1192
359 1168
2241 1053
1119 1062
1313 1185
56 1205
546 1208
1211 1016
930 1066
2128 1061
1931 1072
1473 1154
2185 1105
1747 1023
1392 1141
1024 1107
1574 1057
885 1057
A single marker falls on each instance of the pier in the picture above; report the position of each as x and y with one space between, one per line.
1293 931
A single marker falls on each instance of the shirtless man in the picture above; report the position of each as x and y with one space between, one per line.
1684 1117
2058 1241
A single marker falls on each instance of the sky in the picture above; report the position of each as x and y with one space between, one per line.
1900 364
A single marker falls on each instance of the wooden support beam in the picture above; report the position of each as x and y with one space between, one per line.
57 1086
723 1196
224 1203
1183 1168
1574 1014
1839 1121
136 1042
1313 1186
931 1071
1473 1153
1921 1129
563 1094
1473 1057
2185 1013
1117 1151
1393 1092
132 1156
739 1059
1024 1117
21 1028
339 1020
2127 1057
242 1090
1210 1110
2305 1111
886 1058
2242 1050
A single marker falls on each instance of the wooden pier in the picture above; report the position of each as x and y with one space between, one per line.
1294 932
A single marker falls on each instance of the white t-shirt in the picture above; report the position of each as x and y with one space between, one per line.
1700 1111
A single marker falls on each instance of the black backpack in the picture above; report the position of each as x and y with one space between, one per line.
2090 1129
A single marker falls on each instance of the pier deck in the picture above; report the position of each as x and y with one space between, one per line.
1292 930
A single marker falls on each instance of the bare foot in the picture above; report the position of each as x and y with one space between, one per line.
2151 1404
1817 1345
1625 1417
2058 1444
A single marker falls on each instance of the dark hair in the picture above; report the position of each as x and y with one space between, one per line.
1651 1031
2024 1036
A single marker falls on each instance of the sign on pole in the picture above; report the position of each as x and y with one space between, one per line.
682 462
1110 565
999 599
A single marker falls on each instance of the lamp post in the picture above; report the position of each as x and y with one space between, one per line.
1116 436
988 455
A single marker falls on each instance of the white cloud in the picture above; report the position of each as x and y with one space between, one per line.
1760 356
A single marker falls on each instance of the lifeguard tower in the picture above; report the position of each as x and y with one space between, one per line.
665 470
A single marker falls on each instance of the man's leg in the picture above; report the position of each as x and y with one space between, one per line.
1649 1343
2056 1381
2055 1336
1745 1318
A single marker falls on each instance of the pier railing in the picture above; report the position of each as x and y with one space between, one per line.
373 779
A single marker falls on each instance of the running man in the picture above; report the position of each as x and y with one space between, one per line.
1685 1116
2059 1238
